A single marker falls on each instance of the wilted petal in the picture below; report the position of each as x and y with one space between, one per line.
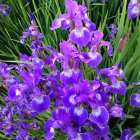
70 76
99 115
80 36
135 100
122 43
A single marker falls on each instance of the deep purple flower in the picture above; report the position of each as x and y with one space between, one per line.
135 99
40 103
15 92
5 9
80 36
114 30
32 32
133 9
99 115
117 111
127 135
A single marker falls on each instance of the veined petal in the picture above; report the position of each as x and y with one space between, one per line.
117 88
79 115
99 115
40 103
95 59
80 36
135 100
15 92
71 76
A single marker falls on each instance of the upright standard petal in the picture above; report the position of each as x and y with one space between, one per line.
80 36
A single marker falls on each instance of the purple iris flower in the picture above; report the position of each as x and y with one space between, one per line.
99 115
133 9
74 19
16 92
127 135
114 30
114 74
5 9
135 99
40 103
68 121
32 32
117 111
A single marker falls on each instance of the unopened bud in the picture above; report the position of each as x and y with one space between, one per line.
122 43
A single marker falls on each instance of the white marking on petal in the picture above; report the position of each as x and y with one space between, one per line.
98 96
78 111
77 138
79 32
71 99
52 130
93 55
137 98
134 1
68 73
18 93
39 100
135 10
117 85
97 112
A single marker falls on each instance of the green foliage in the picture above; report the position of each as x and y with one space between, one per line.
45 11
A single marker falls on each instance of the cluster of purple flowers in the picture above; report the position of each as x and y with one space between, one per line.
79 107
